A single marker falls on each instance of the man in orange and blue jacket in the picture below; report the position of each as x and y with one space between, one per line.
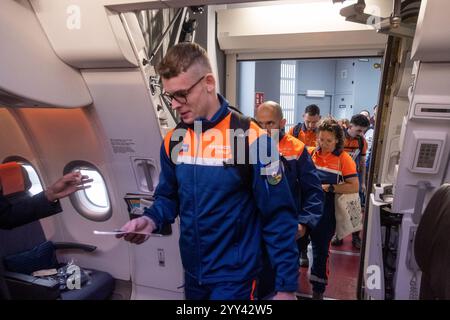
306 132
224 217
302 175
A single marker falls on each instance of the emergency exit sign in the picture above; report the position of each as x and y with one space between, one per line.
259 98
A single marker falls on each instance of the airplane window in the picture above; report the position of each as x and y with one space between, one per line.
97 193
36 185
92 203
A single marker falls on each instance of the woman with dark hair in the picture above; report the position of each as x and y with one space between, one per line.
337 173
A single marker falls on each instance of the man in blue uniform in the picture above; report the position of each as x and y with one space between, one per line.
302 175
223 217
306 132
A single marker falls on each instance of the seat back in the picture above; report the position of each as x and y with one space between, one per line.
432 246
12 178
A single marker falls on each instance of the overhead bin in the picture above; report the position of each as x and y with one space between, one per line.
31 72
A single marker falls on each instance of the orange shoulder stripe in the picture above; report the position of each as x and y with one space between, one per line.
167 140
290 146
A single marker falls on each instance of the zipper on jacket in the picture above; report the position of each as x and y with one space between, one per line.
197 236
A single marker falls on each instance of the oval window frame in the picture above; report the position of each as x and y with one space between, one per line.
81 202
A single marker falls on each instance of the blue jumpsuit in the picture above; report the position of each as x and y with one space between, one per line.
332 168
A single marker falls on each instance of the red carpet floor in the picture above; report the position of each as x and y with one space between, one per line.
343 273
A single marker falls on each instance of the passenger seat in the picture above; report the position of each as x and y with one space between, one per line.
26 249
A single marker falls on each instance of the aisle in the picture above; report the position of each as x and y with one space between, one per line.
342 282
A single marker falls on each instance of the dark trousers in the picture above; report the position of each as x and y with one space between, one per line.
226 290
302 244
320 238
362 195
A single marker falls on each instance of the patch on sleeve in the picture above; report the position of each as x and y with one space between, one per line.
273 172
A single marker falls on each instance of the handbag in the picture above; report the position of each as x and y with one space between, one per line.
347 210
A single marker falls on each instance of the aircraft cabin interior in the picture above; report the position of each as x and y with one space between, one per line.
79 92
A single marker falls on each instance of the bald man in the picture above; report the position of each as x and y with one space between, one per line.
300 171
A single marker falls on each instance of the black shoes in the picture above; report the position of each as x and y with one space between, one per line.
317 296
336 242
356 242
304 261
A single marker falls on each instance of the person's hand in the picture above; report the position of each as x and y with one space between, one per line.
285 296
325 187
144 225
363 188
300 231
67 185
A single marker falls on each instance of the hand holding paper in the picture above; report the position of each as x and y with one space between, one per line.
137 230
120 232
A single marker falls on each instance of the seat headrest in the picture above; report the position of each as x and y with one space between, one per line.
11 178
432 231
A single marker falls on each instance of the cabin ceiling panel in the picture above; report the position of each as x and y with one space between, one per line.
302 26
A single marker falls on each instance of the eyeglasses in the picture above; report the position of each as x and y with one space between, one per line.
181 95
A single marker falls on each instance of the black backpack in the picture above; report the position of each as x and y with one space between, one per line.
237 121
360 145
297 129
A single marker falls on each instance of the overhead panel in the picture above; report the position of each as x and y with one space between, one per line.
431 42
85 34
31 73
299 27
129 5
89 34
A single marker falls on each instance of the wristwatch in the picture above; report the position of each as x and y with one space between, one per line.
331 188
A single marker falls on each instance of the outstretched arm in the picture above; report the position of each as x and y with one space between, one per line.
41 205
68 184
